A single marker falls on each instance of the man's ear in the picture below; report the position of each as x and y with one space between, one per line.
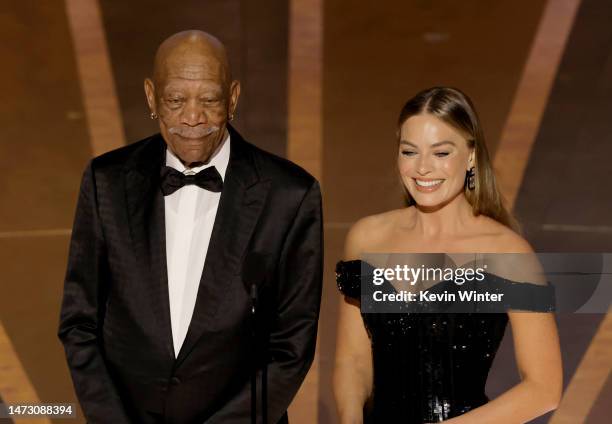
149 89
234 95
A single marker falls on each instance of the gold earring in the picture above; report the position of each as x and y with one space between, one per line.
231 116
153 115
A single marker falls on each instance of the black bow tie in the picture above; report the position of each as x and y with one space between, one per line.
208 179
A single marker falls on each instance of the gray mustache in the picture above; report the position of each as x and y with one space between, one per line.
193 132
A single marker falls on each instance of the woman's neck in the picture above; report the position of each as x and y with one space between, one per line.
446 220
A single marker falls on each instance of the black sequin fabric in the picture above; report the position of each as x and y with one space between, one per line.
427 367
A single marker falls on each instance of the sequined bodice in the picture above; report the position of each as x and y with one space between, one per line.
427 367
430 367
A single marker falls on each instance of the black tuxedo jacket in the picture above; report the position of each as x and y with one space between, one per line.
115 316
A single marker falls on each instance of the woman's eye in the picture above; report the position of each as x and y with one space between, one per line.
408 153
441 154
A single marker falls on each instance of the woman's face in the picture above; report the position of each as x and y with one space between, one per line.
433 159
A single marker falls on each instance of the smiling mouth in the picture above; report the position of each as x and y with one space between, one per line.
428 183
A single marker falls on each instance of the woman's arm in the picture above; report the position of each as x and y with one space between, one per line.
353 361
353 364
536 349
539 361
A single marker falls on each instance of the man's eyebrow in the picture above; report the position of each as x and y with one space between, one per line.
438 144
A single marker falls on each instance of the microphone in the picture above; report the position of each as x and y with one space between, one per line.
253 275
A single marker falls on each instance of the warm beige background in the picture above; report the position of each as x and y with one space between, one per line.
323 83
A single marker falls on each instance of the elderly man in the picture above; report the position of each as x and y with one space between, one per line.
156 320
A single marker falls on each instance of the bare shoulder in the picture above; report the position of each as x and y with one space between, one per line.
368 232
512 256
500 239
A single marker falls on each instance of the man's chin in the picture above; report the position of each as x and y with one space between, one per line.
195 154
190 152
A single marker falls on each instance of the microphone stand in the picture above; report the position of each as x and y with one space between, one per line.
253 271
254 357
264 388
264 374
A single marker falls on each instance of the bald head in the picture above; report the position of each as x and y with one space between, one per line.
191 51
192 93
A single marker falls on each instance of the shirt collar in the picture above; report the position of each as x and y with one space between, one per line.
219 159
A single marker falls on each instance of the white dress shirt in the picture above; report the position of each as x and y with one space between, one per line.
190 215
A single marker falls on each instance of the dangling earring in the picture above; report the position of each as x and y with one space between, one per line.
231 117
153 115
470 179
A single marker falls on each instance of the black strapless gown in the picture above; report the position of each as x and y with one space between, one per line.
427 367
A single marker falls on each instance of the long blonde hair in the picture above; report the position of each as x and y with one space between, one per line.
457 110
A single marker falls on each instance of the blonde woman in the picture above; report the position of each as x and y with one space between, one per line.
423 368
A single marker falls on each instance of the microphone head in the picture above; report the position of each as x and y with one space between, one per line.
253 270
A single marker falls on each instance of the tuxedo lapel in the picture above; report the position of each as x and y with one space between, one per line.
146 215
240 206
